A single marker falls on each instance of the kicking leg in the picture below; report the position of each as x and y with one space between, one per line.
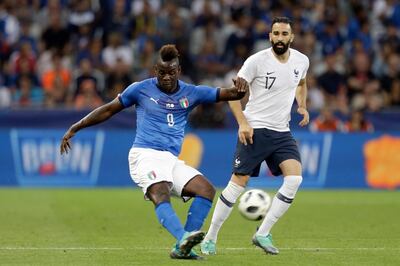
203 192
159 194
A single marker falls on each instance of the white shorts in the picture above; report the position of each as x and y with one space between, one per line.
148 166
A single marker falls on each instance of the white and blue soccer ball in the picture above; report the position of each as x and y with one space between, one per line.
254 204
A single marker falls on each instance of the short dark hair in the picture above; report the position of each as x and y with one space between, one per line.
169 52
285 20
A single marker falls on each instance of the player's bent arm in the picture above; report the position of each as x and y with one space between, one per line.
245 132
301 98
236 108
301 94
98 115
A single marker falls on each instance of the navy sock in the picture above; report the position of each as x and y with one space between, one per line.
198 212
168 218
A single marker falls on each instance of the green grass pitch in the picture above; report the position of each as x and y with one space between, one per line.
117 227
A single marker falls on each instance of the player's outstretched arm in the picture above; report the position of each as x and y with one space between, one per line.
238 91
97 116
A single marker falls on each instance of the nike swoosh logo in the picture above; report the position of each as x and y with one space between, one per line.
269 73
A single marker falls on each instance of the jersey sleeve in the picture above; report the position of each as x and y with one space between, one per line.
248 70
307 65
206 94
130 95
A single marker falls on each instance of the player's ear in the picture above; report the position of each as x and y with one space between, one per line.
291 37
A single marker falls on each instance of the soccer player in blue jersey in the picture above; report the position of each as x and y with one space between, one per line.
162 106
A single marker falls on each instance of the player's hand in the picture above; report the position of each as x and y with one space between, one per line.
241 84
65 145
306 116
245 133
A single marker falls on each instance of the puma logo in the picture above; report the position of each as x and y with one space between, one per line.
154 100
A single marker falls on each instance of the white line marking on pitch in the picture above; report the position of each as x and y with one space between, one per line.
226 249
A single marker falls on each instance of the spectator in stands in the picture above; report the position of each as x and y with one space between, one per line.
5 95
315 95
143 65
55 35
83 73
56 82
27 94
81 14
94 53
331 81
115 51
52 8
88 97
24 55
120 74
395 93
208 116
9 25
119 20
363 86
326 122
390 81
358 123
209 63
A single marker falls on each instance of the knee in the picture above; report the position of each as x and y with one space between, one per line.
158 193
293 181
208 191
240 180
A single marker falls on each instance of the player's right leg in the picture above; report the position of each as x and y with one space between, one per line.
152 171
159 194
291 170
222 210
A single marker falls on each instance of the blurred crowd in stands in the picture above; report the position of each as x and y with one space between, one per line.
82 53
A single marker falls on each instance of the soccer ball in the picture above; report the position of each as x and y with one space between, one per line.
254 204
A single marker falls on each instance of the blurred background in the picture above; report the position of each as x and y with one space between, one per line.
59 59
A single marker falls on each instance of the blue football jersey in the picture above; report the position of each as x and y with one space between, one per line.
161 117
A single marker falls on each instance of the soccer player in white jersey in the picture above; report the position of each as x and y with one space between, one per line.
162 107
276 76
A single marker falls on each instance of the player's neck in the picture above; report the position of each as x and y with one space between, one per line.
172 91
283 58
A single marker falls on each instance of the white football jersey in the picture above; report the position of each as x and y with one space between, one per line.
272 87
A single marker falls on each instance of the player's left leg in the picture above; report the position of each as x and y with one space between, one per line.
291 170
203 192
188 183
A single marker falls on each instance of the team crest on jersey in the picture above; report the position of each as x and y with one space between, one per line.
151 175
296 73
184 102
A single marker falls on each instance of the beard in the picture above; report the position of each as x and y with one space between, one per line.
280 50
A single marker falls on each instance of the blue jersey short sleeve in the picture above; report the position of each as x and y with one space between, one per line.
130 95
206 94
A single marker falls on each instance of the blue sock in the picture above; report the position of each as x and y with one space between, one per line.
198 212
168 218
